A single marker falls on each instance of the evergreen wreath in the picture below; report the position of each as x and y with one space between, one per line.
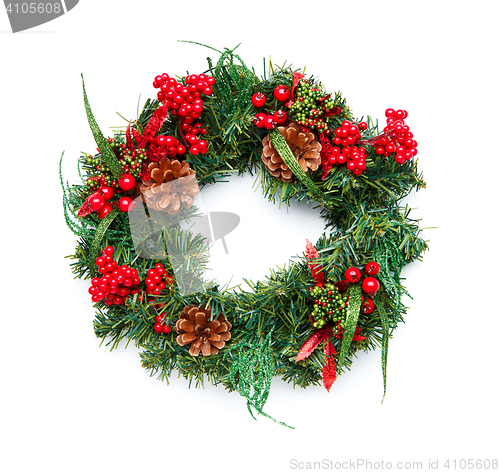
306 321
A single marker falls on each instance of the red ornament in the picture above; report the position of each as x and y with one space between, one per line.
126 182
370 286
353 275
372 268
124 204
258 99
281 93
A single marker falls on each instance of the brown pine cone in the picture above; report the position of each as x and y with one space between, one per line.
304 146
172 184
195 327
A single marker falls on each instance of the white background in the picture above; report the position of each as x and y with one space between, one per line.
67 404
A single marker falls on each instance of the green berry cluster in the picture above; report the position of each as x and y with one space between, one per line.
311 107
131 161
330 306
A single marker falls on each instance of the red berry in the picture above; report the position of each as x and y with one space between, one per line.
109 250
390 148
159 318
158 328
258 120
353 275
96 202
389 112
258 99
106 192
191 139
269 122
281 93
100 261
372 268
367 306
370 286
126 182
105 210
194 150
181 149
160 140
125 203
280 117
166 329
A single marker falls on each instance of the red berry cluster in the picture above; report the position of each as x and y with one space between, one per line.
348 133
184 100
99 200
345 151
262 120
270 120
160 327
155 282
397 137
116 283
172 144
198 145
370 284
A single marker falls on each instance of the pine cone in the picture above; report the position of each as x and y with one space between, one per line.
304 146
171 185
195 327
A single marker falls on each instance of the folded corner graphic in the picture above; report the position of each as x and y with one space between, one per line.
26 15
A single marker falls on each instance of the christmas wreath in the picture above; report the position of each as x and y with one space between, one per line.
304 322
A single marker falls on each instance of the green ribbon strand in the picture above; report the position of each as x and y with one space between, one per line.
287 156
385 341
352 321
98 236
102 143
252 370
388 255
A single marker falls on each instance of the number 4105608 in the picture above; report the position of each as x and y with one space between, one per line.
34 8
